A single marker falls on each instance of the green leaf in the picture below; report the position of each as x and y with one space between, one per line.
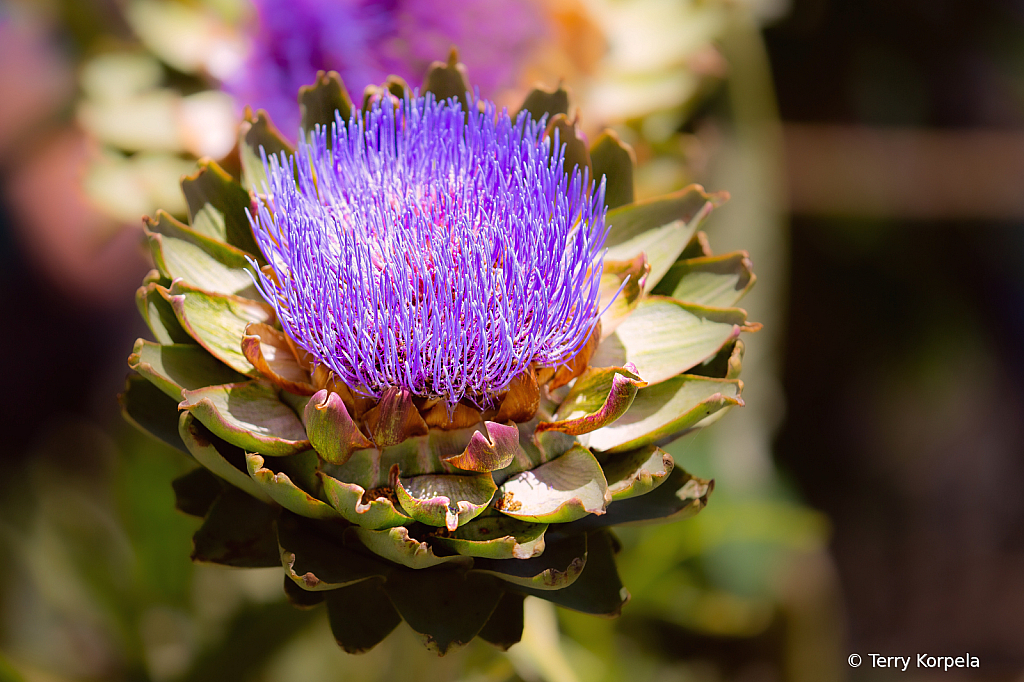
448 608
218 321
660 227
448 500
558 567
220 457
154 304
638 472
323 101
665 411
361 616
370 467
538 447
598 398
505 626
622 286
154 277
718 281
196 491
679 497
360 507
176 367
495 537
256 137
330 429
238 531
315 561
198 260
151 411
280 486
548 103
614 160
664 337
598 590
249 415
216 207
559 491
629 222
395 544
446 80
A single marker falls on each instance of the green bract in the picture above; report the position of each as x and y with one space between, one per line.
398 509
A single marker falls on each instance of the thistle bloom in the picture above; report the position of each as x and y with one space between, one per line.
420 341
431 250
367 40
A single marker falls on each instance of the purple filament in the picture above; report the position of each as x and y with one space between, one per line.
432 250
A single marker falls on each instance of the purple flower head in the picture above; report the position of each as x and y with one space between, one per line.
367 40
431 250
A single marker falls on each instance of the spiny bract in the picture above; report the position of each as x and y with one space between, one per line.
438 370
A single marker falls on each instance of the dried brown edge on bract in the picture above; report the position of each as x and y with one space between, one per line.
507 502
380 493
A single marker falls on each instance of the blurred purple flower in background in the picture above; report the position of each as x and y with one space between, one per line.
367 40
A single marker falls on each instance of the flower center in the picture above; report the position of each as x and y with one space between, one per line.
435 251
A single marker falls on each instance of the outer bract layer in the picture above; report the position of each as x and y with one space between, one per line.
432 250
455 389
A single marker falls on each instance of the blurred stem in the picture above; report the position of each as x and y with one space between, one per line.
540 653
748 161
752 166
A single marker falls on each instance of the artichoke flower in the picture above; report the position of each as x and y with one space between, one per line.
425 361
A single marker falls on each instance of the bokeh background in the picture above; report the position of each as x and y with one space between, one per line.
868 498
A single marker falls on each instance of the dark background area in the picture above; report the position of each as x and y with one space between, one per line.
903 362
